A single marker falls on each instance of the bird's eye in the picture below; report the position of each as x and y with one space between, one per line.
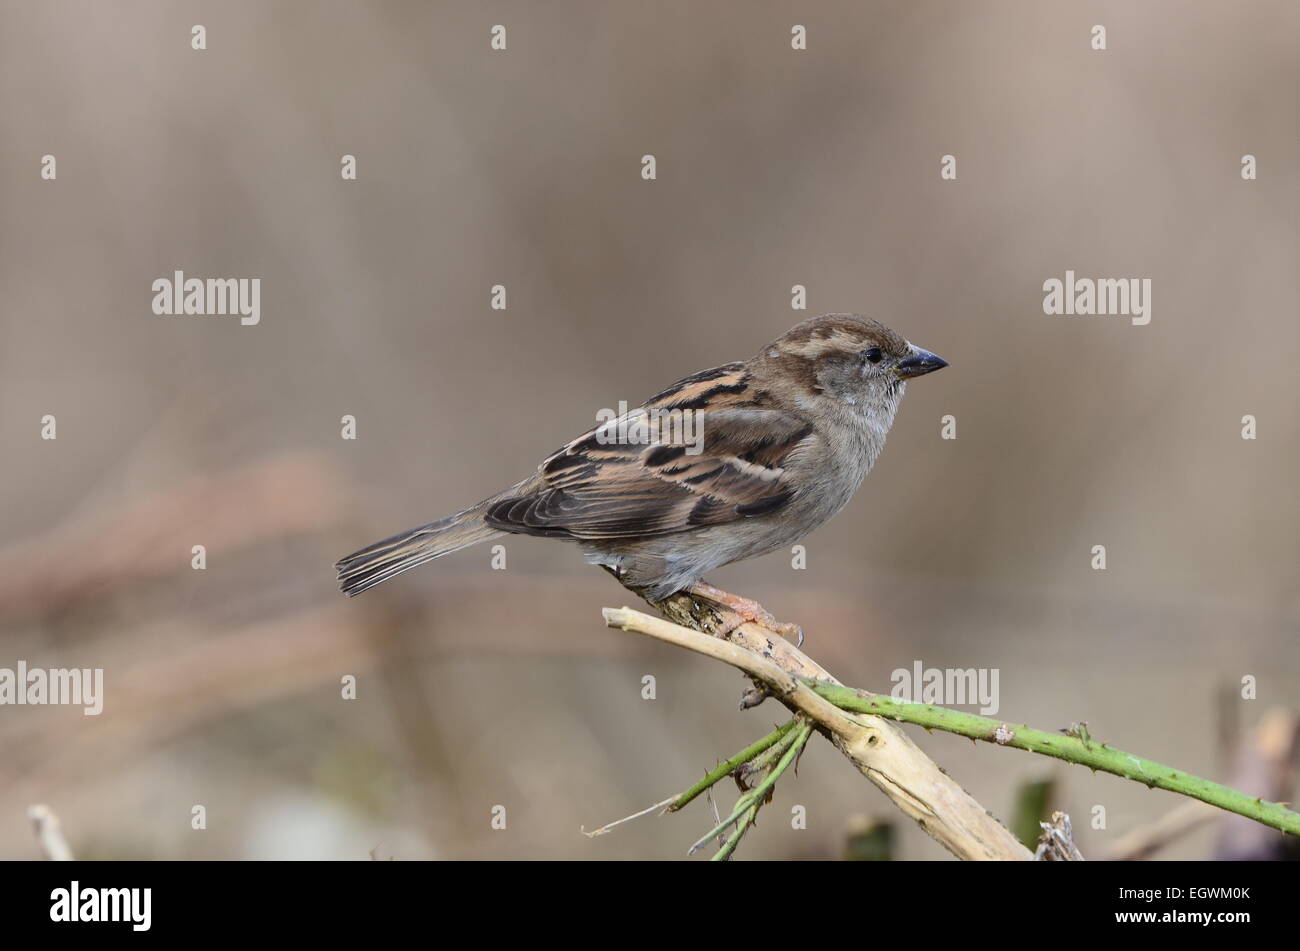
873 355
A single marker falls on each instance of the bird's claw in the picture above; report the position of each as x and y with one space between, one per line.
764 618
745 610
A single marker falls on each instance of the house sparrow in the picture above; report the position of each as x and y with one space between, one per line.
787 438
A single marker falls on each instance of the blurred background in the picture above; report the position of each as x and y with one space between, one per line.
478 688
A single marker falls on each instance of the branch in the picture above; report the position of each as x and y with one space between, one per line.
1076 746
727 767
880 750
746 808
1264 765
49 833
284 495
1141 842
774 754
1056 844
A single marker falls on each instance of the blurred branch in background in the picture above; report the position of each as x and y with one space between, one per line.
200 677
1265 766
1146 840
187 664
287 494
49 833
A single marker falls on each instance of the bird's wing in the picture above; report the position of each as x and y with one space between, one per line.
730 466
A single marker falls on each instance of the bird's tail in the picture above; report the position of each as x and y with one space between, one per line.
388 558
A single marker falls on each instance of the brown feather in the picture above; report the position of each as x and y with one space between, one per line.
592 491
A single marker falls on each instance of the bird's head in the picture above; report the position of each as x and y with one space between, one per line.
852 359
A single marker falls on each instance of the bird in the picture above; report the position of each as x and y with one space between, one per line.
726 464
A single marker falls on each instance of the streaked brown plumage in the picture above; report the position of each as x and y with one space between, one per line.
788 437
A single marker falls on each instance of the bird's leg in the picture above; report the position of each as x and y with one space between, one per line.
744 609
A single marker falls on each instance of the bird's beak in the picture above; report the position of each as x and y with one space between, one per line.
919 363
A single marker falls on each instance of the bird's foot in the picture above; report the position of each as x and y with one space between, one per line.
745 610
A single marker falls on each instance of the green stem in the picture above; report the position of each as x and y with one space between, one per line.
726 768
1079 749
792 744
765 760
733 840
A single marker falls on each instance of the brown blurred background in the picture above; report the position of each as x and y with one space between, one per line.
775 167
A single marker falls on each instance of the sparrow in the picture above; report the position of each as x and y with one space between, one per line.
723 465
